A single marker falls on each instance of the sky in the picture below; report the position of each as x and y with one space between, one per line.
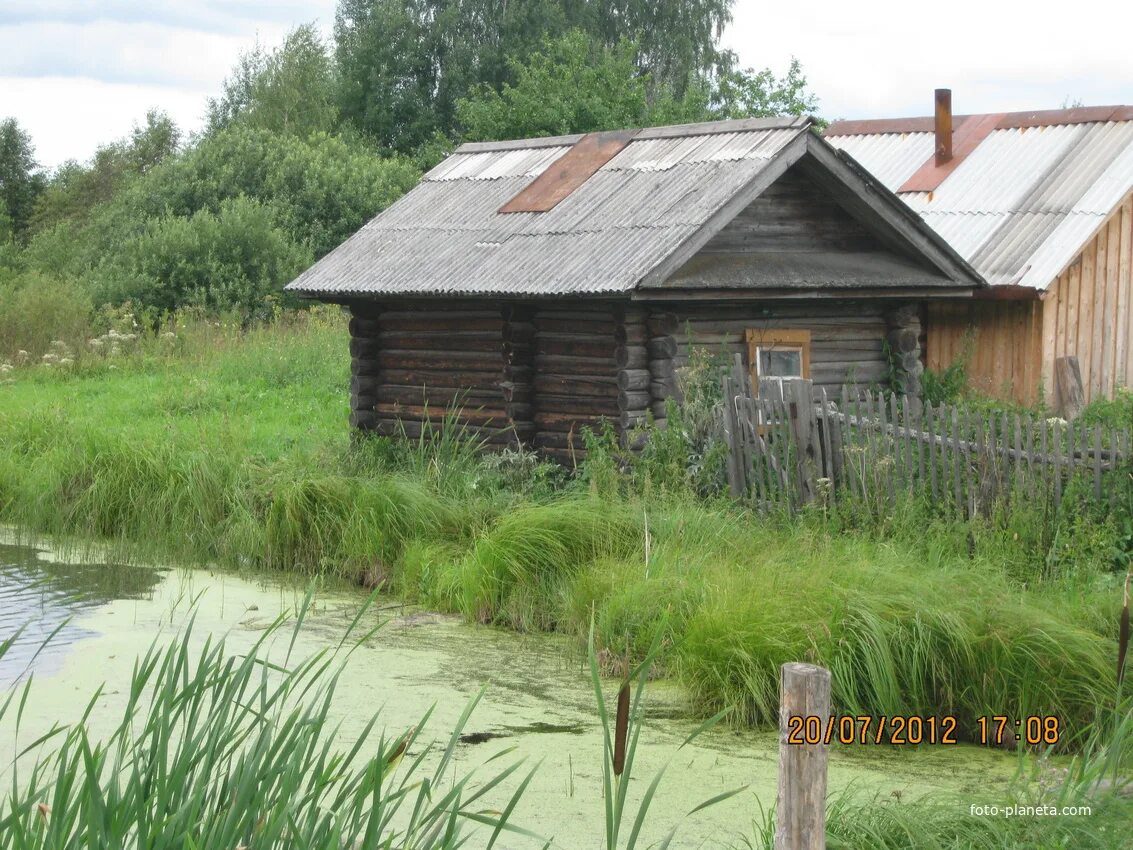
79 73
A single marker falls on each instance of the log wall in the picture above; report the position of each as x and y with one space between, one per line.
846 337
538 374
411 364
581 352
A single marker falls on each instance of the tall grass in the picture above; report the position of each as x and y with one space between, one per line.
234 449
217 750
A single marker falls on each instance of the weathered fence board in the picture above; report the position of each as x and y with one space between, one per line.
793 445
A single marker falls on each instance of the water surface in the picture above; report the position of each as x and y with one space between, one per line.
539 699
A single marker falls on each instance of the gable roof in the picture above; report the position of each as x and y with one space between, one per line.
631 223
1031 189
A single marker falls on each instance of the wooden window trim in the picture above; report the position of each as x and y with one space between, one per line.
761 338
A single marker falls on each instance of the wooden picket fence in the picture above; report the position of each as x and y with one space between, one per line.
792 445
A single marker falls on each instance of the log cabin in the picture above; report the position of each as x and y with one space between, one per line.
547 285
1041 204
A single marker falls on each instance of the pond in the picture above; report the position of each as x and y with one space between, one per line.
538 696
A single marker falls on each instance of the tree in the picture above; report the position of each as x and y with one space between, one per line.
287 90
405 66
21 182
750 94
75 189
577 86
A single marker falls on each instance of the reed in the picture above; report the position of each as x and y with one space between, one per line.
620 742
224 750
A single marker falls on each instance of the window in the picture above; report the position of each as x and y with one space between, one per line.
775 356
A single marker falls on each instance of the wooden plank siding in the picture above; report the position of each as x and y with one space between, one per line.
1000 341
1086 312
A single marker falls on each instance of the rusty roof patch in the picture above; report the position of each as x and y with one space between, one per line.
569 171
967 138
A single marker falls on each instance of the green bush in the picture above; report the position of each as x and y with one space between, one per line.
37 310
235 259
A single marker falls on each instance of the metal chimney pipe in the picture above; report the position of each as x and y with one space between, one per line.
943 126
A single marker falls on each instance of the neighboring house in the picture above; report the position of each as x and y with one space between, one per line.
1041 204
548 284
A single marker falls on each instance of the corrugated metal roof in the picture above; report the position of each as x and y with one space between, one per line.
447 236
640 208
1022 205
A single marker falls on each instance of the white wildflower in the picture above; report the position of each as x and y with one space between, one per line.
112 366
169 335
115 350
5 368
66 361
94 343
50 357
22 356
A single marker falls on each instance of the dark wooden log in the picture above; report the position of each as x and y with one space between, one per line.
577 313
473 360
594 385
442 344
661 347
631 334
435 325
557 440
567 457
520 412
605 326
364 366
412 428
472 415
564 422
364 347
364 384
432 314
593 405
562 365
360 326
629 400
440 377
363 420
444 396
631 357
364 401
581 346
633 379
659 409
662 324
663 369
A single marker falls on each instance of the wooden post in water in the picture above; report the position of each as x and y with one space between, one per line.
800 808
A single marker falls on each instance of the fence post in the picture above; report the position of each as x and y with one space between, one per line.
1071 394
800 808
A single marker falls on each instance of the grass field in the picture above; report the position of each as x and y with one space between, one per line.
224 446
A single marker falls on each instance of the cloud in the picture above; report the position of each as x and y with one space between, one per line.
879 58
232 17
78 74
142 53
68 117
